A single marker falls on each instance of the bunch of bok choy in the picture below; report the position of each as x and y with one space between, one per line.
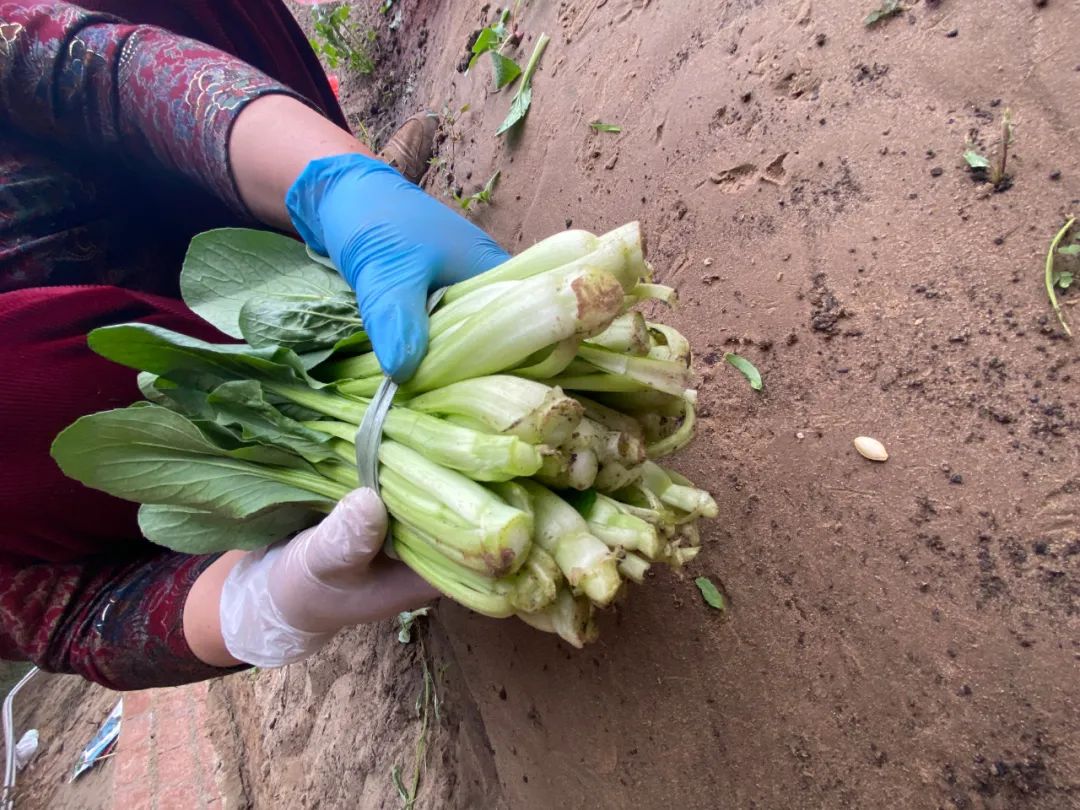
519 464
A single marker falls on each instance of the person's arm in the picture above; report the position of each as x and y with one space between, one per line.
273 139
135 95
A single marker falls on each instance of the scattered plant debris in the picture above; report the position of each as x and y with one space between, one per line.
1055 277
746 368
711 594
994 171
483 196
889 8
493 40
519 106
600 126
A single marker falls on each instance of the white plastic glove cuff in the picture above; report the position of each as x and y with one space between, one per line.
252 627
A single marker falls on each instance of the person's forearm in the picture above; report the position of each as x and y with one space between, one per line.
202 613
272 140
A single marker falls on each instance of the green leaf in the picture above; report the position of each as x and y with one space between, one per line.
241 405
1069 250
711 593
600 126
298 322
884 11
226 268
484 194
976 161
504 70
149 454
519 107
192 531
1063 279
194 362
500 27
746 368
406 620
488 40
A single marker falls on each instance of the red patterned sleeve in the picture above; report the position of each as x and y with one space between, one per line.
131 93
118 622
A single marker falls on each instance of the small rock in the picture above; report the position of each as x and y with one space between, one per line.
820 40
800 435
707 262
1055 175
953 34
937 171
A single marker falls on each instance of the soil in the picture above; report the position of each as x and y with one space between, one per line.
67 712
901 634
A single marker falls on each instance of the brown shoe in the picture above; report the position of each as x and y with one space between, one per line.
409 149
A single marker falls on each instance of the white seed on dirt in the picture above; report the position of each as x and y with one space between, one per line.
707 262
800 435
871 449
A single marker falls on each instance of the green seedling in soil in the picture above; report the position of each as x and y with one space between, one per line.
448 122
600 126
494 40
483 196
339 40
1057 278
889 8
427 705
993 170
711 594
519 106
746 368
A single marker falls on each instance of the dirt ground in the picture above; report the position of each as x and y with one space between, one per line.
67 711
901 635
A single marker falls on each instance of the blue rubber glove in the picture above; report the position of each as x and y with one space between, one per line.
392 242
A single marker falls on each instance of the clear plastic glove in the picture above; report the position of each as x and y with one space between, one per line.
392 242
281 604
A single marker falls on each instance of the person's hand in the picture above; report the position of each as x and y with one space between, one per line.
282 604
392 242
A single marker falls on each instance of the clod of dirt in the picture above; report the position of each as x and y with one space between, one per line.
775 171
826 310
736 178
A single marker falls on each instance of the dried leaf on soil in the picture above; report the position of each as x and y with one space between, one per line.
976 161
746 368
887 9
710 593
